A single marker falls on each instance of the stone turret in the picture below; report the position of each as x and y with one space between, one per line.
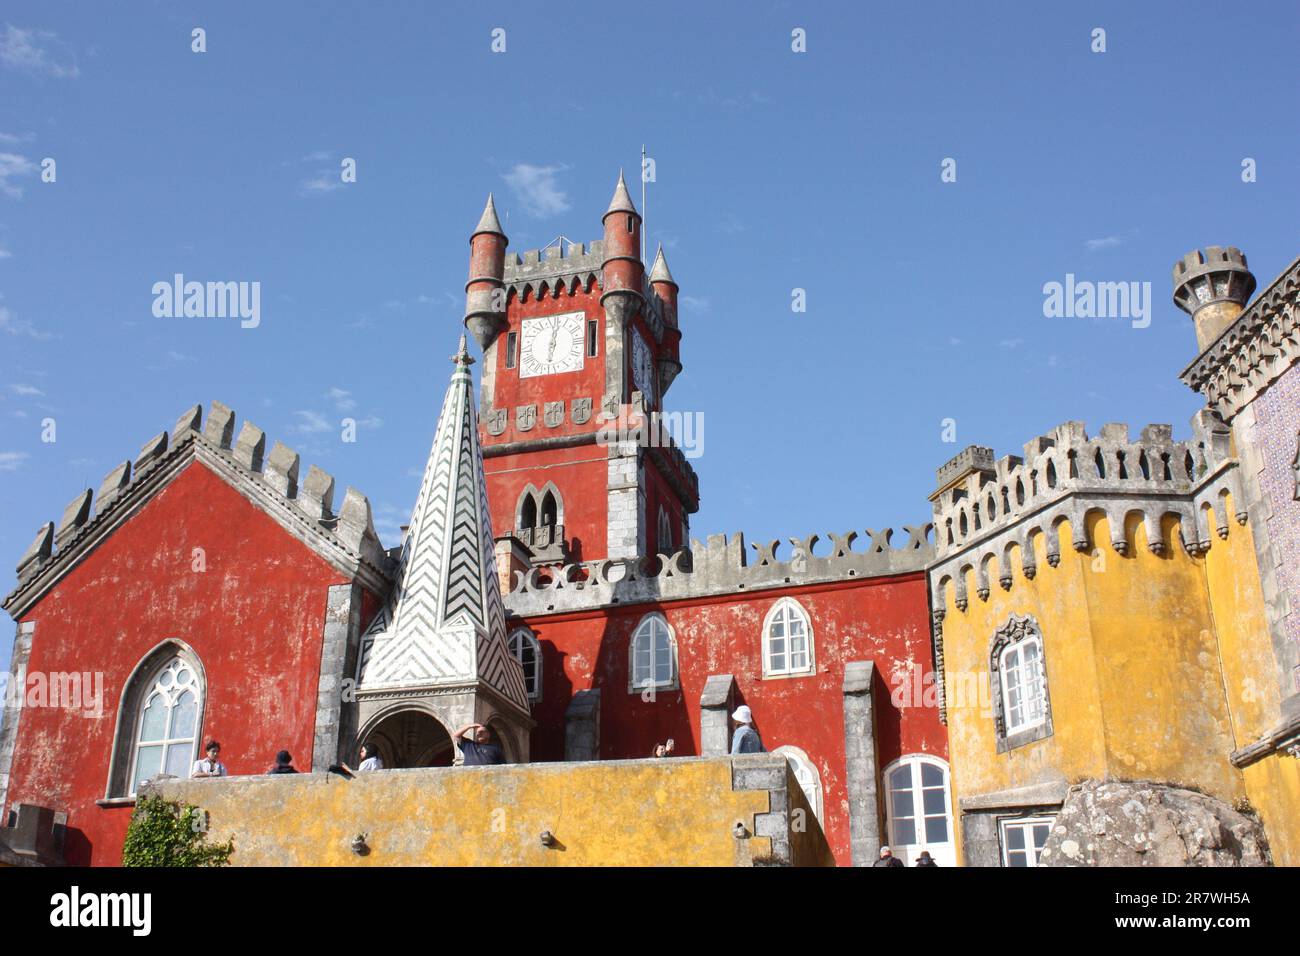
1212 287
665 287
485 300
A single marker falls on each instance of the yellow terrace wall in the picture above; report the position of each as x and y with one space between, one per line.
670 812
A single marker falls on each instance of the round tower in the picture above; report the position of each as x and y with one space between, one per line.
661 280
622 271
1212 287
485 301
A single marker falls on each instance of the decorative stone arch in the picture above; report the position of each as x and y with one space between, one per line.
377 721
506 739
1016 630
533 507
129 705
805 772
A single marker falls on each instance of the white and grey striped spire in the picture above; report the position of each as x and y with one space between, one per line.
444 624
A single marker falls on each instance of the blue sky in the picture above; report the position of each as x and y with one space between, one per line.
775 170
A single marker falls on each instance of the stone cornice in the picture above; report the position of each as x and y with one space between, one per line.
347 541
1254 351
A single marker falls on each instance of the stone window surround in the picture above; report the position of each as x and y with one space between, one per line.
1016 629
674 681
1039 816
118 787
810 668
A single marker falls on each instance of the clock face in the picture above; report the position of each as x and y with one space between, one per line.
551 344
643 372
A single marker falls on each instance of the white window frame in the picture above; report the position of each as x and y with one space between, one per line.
195 686
1027 824
943 852
521 636
787 606
1029 688
645 630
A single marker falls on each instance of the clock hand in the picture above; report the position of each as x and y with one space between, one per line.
550 349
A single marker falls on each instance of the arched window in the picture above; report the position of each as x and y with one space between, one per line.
1018 678
653 655
918 809
160 719
810 781
549 509
528 511
529 654
787 640
664 533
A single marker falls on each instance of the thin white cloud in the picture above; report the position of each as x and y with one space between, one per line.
321 183
15 326
12 460
536 189
18 388
1011 343
341 398
6 254
312 423
1107 242
693 303
14 167
37 52
13 139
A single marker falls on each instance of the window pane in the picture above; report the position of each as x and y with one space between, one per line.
178 760
900 777
903 803
183 715
663 673
778 627
147 763
936 830
931 775
796 625
1017 858
1015 838
1041 831
904 831
154 724
933 801
798 660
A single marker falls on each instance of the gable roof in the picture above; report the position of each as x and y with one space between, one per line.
346 540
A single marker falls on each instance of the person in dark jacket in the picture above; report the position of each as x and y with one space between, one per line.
283 763
480 751
925 859
887 858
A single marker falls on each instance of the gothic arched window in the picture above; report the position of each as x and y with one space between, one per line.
160 719
652 655
529 654
787 640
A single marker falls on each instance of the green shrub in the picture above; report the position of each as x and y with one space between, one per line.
162 833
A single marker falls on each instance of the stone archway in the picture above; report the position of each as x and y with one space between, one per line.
411 738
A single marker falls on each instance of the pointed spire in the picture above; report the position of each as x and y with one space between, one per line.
622 201
444 623
489 222
660 271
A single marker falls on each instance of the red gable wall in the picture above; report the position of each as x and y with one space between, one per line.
255 618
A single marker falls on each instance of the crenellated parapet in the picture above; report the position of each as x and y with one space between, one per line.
1253 351
722 565
565 270
985 511
346 537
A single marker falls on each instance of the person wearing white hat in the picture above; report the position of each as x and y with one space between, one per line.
746 739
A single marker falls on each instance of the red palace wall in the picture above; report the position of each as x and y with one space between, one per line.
882 620
254 617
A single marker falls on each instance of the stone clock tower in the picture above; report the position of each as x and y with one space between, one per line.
579 349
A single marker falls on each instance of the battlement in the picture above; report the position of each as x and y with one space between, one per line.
555 261
271 478
720 566
971 458
1066 461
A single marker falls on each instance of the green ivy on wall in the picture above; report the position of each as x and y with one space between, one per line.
162 833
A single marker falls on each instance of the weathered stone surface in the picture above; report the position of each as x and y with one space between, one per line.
1151 824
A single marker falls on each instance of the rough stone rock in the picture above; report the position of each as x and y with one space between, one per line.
1151 824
